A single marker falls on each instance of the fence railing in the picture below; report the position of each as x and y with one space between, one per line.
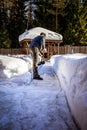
54 50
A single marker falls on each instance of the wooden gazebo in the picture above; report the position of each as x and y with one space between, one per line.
53 40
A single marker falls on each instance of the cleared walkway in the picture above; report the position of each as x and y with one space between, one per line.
39 105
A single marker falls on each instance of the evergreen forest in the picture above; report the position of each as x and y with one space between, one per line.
67 17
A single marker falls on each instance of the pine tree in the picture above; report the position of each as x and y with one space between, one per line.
16 22
83 22
49 14
75 24
12 20
42 17
4 37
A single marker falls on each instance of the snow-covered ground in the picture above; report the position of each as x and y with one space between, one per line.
41 105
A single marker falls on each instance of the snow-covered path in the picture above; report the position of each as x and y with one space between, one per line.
39 105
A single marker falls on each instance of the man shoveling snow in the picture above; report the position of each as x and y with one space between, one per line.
37 46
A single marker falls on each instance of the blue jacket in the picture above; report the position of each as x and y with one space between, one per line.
38 42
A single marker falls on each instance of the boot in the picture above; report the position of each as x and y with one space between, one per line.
41 62
36 75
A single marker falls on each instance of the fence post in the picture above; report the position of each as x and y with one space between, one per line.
58 48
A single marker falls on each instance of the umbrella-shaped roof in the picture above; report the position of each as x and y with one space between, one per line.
30 34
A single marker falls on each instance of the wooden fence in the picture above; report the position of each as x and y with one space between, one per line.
51 50
72 49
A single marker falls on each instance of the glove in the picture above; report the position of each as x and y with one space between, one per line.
44 51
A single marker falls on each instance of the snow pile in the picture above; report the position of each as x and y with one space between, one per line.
72 72
14 66
30 34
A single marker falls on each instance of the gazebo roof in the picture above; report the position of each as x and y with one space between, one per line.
28 35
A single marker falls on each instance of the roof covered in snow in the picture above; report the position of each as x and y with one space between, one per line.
30 34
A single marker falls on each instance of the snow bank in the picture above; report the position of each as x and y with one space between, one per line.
14 66
72 72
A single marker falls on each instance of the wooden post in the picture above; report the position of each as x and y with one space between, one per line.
58 48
